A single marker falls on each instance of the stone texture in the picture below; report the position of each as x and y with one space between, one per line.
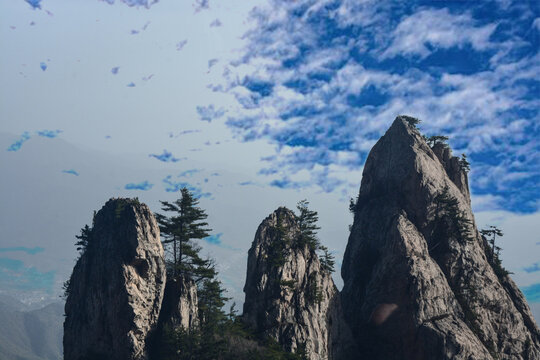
116 287
294 302
180 305
412 292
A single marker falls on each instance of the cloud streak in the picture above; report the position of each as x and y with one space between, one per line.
16 146
166 156
143 185
175 186
51 134
70 172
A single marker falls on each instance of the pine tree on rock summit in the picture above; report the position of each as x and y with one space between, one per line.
178 232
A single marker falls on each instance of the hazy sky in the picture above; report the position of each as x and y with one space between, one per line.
253 105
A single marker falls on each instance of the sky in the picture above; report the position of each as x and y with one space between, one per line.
254 105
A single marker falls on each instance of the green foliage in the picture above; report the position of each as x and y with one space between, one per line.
307 220
83 239
464 163
313 292
449 219
185 224
327 259
288 283
277 251
437 139
491 234
412 121
66 288
229 339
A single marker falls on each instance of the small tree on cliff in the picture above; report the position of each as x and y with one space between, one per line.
178 230
437 139
307 220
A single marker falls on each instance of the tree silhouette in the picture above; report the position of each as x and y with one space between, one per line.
307 220
179 229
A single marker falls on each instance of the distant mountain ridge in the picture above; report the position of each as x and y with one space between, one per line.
30 334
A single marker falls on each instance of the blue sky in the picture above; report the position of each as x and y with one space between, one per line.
253 105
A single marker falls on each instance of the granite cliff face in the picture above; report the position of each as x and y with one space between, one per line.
290 296
117 286
420 281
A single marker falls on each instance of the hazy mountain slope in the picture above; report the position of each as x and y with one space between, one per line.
30 335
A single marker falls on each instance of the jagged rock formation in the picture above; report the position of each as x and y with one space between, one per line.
180 305
117 286
419 279
179 310
290 297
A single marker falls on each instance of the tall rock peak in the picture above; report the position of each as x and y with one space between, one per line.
117 285
419 282
290 297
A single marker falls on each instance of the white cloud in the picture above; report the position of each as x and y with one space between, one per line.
426 30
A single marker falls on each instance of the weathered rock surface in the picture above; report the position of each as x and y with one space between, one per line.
290 297
180 305
417 286
117 286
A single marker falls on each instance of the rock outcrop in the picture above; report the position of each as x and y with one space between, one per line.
290 296
420 280
180 305
117 286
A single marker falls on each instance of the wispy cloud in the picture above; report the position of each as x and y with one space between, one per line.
189 173
166 156
35 4
180 45
209 113
216 23
212 62
247 183
30 251
201 5
322 81
143 185
51 134
71 172
136 3
426 31
175 186
16 146
532 268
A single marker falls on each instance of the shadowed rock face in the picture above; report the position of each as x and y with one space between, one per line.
419 281
116 287
292 300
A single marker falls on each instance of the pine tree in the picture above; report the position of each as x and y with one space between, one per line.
307 220
464 163
412 121
178 230
491 233
327 259
84 239
437 139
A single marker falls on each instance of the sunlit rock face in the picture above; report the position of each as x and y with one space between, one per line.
419 279
293 299
117 286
